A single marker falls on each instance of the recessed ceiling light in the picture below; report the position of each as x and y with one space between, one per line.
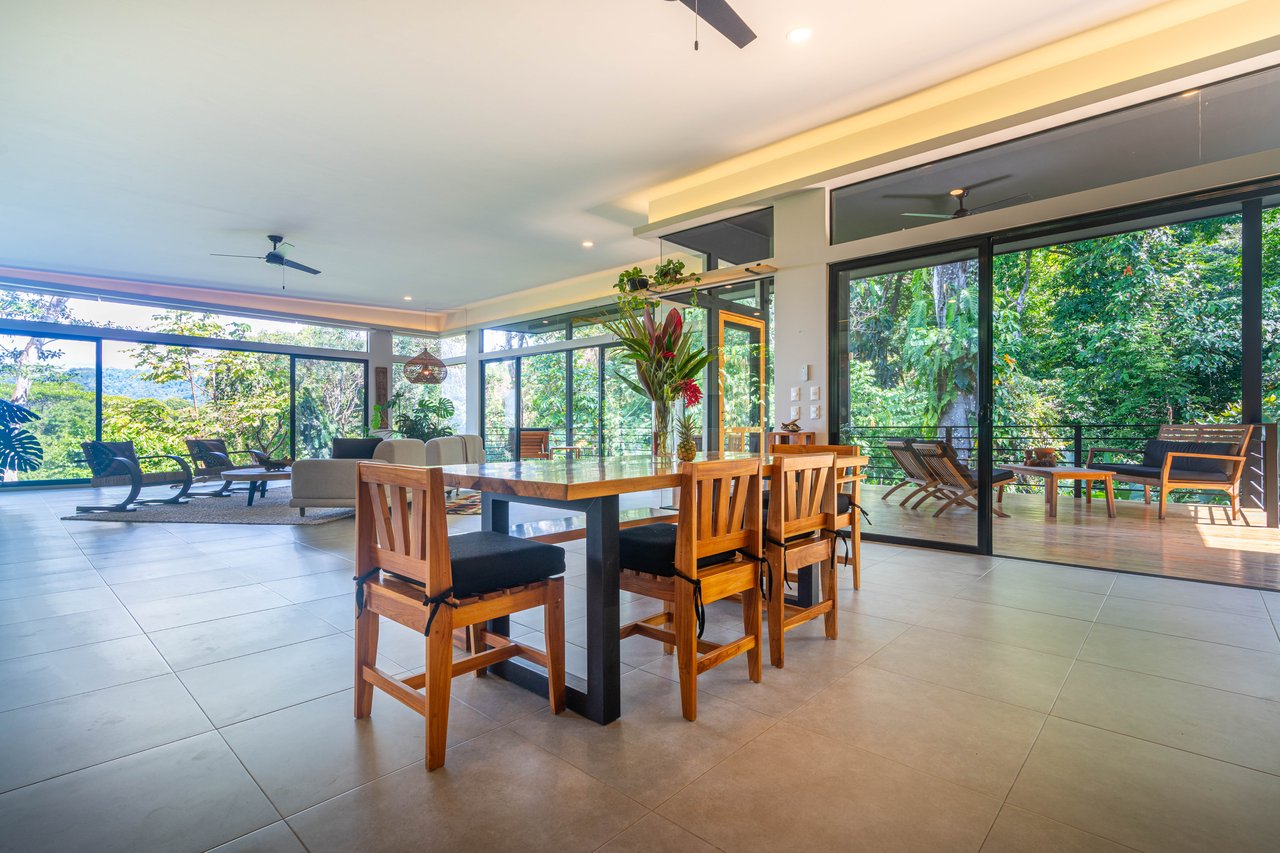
408 299
587 244
799 34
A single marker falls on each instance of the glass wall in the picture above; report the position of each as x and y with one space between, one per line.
1271 314
57 379
543 397
909 371
329 396
500 409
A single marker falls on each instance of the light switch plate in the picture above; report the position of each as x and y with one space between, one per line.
815 412
795 393
795 412
804 373
815 392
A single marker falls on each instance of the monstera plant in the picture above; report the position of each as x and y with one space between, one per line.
20 450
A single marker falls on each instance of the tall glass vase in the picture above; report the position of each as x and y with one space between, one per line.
662 435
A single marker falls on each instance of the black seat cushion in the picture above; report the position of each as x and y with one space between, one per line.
487 562
844 503
652 548
999 475
1156 449
1149 472
101 457
355 448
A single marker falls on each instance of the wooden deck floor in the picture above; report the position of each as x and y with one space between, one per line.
1195 541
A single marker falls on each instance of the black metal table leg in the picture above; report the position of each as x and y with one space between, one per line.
253 490
604 668
808 587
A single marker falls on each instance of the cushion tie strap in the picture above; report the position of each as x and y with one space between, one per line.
435 601
785 581
360 579
765 575
699 611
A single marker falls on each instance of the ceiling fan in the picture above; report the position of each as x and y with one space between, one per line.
277 256
960 194
720 15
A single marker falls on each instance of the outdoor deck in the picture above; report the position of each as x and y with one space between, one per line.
1195 541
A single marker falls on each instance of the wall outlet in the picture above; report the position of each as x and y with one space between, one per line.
795 393
815 412
815 392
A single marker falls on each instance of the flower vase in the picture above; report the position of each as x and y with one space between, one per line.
662 429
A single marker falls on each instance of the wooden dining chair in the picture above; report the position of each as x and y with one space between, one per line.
848 514
798 533
712 552
411 571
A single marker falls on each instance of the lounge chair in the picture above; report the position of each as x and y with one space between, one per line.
116 463
917 473
955 482
210 457
1185 456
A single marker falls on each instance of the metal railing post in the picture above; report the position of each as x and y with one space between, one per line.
1077 451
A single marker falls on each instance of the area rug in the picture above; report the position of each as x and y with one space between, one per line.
468 504
232 509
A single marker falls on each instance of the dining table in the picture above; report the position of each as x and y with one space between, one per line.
593 487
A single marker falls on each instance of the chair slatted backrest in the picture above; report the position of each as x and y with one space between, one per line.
400 524
803 495
535 443
719 511
1235 434
943 464
903 452
845 471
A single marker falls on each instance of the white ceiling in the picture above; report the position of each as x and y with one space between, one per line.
449 151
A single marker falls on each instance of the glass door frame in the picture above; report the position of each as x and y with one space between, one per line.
757 325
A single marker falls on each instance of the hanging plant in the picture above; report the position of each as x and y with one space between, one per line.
20 449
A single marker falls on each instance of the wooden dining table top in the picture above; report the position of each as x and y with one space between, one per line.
579 479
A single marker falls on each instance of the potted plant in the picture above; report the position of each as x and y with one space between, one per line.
667 361
427 420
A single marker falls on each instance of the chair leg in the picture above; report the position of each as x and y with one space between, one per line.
1146 494
777 605
954 500
828 576
855 544
1160 515
366 655
669 609
752 627
553 631
895 488
438 683
686 631
1235 503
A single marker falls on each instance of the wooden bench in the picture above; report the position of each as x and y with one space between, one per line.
1207 457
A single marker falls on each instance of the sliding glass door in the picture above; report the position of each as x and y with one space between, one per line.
329 403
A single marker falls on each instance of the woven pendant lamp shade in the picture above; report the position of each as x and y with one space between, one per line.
425 369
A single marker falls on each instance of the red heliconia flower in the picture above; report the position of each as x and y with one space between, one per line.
691 393
668 354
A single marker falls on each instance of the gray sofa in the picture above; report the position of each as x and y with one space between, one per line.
332 482
455 450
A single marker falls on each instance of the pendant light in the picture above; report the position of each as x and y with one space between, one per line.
425 368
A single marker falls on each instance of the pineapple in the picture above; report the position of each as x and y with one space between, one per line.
686 428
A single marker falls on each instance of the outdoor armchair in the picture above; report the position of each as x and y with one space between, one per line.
116 463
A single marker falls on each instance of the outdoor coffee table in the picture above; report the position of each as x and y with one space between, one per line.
1057 474
257 478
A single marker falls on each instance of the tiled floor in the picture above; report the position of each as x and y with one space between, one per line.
183 687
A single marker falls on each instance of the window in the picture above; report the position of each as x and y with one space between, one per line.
730 242
452 346
329 400
57 379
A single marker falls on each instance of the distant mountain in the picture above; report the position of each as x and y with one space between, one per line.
128 382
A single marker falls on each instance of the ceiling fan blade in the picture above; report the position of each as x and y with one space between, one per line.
720 15
991 204
221 255
997 179
929 215
294 265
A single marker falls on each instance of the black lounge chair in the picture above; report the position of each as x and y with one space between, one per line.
116 463
210 458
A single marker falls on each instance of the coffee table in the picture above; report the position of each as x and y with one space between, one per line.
1059 473
257 478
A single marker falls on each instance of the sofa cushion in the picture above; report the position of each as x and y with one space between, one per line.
355 448
1156 449
487 562
652 548
1150 472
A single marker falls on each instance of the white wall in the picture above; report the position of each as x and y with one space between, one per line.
800 306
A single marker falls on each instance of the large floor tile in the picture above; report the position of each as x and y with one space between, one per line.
204 606
314 586
70 561
309 753
468 805
896 604
655 834
173 586
185 796
998 671
1239 670
1015 572
43 584
63 632
221 639
1215 626
1071 603
56 604
67 672
276 838
1228 726
1043 632
652 751
970 740
1020 831
338 610
1146 795
42 741
790 789
1190 594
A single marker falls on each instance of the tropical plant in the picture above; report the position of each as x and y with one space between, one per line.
427 420
20 450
